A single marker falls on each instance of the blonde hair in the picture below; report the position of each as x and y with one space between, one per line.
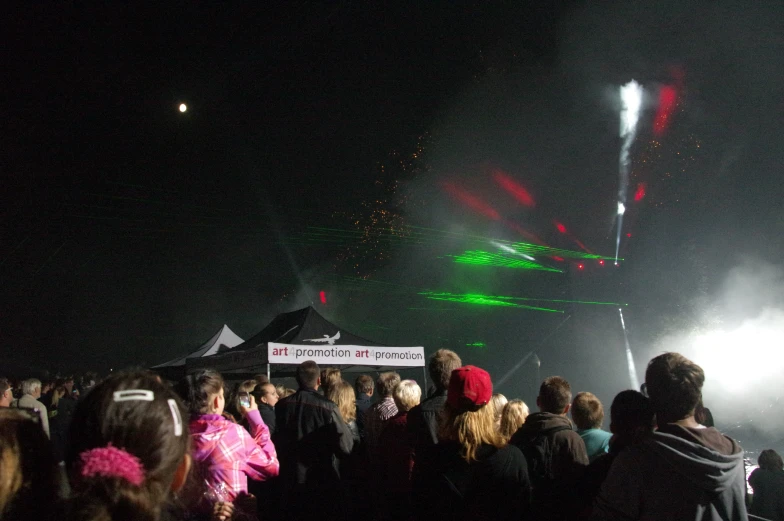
499 401
407 395
342 393
513 416
470 429
284 391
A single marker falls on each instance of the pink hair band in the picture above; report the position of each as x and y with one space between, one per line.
112 462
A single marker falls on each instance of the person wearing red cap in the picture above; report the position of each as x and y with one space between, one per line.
474 475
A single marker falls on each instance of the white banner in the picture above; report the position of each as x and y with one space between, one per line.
346 355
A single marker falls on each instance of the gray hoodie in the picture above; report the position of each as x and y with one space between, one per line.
677 474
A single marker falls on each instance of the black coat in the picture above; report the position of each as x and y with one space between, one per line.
268 415
309 434
494 487
423 421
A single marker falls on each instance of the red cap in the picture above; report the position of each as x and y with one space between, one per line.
470 388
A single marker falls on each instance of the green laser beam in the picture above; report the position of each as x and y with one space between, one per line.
484 300
476 344
486 258
445 295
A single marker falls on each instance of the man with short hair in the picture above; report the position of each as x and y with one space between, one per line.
684 470
364 388
379 413
423 419
309 436
588 415
555 453
6 393
31 391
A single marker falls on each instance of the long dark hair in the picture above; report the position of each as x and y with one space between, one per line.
154 431
195 389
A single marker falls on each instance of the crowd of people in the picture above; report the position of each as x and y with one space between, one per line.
135 447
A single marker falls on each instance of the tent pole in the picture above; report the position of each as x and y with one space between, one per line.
424 375
268 371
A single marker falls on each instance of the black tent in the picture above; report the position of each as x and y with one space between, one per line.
303 328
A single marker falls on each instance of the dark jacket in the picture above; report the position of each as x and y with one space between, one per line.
768 498
364 402
494 487
395 463
423 420
268 415
676 474
556 459
309 434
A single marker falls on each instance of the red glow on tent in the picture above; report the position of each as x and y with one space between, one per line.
560 227
667 98
639 194
472 201
323 297
514 188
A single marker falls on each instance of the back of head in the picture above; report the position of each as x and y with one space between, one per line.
387 382
283 391
246 386
469 417
5 391
587 411
129 445
440 367
674 386
196 389
499 401
555 395
631 412
769 459
342 394
308 374
330 376
27 468
30 385
513 417
261 379
364 384
407 395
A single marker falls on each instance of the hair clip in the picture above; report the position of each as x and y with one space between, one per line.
142 395
175 411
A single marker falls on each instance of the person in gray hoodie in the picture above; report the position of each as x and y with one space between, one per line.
684 471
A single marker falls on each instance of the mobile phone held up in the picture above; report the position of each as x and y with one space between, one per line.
244 399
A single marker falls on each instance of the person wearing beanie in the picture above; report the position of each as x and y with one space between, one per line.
474 474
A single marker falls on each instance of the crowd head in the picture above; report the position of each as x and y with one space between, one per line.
129 448
512 418
386 383
440 367
202 392
308 375
27 468
555 395
468 418
6 393
343 395
769 459
364 385
407 395
674 385
587 411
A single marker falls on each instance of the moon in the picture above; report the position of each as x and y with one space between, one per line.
183 107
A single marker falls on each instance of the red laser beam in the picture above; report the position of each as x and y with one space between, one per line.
514 188
472 201
639 194
560 227
323 297
667 99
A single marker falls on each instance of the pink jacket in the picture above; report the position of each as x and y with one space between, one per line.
228 454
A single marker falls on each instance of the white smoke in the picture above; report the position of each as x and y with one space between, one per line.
741 348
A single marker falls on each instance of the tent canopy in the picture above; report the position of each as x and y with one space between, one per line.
304 328
223 339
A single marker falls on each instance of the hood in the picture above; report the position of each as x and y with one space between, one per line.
206 432
708 469
542 421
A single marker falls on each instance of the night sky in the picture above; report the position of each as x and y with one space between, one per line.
131 231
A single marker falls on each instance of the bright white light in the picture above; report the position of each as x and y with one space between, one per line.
631 100
621 208
528 257
183 107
